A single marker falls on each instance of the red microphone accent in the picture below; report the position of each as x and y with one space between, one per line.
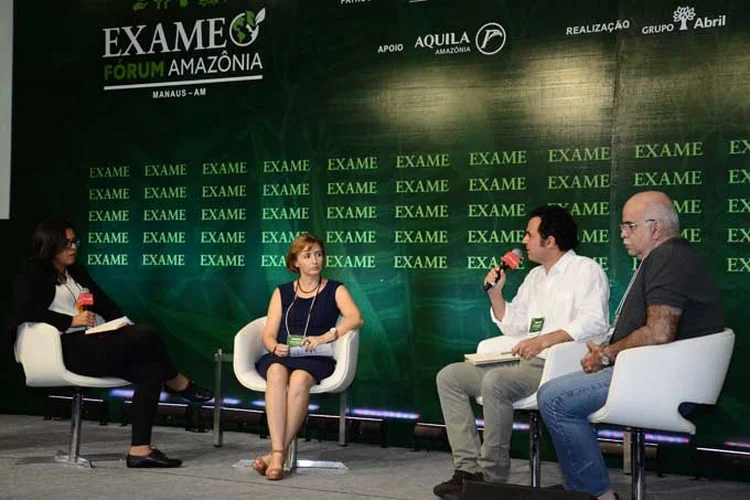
85 301
512 260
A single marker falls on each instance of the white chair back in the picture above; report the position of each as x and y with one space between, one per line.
561 359
248 348
39 349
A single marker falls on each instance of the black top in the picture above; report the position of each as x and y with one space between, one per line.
323 317
34 291
672 275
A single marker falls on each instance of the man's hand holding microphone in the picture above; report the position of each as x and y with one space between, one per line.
493 285
495 279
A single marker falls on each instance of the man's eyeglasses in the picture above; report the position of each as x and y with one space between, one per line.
629 226
69 244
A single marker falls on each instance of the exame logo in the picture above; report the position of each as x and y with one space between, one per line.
683 19
204 34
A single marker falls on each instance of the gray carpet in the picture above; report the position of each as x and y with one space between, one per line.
374 472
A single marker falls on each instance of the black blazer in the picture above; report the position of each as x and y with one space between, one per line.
34 291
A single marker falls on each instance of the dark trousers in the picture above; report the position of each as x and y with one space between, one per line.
135 353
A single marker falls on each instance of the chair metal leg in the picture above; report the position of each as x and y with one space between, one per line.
627 453
218 431
319 464
292 463
638 464
74 447
342 418
291 456
75 425
296 463
72 457
535 458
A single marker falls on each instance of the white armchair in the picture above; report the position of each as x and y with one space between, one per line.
649 383
39 349
561 359
248 348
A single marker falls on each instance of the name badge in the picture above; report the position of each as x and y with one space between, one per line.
536 325
294 340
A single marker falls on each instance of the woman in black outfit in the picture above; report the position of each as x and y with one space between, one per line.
47 289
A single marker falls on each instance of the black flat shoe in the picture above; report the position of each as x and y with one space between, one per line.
155 459
193 393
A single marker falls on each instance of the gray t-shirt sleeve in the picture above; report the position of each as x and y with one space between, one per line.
666 278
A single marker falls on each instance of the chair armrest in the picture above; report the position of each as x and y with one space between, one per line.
563 359
649 383
248 348
39 349
345 352
501 343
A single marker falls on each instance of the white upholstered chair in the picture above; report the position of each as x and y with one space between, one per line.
248 348
649 383
39 350
559 362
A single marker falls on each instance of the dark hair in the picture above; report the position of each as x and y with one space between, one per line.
49 239
557 222
298 245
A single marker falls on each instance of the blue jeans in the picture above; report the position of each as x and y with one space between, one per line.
565 403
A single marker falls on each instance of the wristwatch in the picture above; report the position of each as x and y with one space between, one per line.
335 333
606 360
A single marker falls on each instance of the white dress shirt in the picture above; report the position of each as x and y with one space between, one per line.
573 296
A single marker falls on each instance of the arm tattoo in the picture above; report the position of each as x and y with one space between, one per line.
662 321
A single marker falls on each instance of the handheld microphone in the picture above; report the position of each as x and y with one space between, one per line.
509 261
85 300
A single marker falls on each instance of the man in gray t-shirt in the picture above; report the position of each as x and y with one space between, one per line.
671 297
674 278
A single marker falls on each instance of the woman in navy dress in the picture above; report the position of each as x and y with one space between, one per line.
308 307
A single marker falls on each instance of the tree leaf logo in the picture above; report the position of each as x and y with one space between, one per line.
245 27
682 15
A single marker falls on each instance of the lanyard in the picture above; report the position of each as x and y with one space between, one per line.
309 312
65 284
625 295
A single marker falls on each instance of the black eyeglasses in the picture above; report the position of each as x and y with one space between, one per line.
629 226
69 244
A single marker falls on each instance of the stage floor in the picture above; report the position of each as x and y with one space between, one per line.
374 472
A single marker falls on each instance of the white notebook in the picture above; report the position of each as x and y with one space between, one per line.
484 358
110 325
321 350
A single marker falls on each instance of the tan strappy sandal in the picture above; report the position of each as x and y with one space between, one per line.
276 473
260 465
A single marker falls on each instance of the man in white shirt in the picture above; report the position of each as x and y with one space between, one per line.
565 298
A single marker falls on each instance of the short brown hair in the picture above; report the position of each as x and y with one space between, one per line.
300 243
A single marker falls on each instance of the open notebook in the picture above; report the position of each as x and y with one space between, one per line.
485 358
110 325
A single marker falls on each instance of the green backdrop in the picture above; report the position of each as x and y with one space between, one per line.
415 137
